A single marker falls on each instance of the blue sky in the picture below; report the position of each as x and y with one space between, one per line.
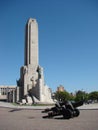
68 41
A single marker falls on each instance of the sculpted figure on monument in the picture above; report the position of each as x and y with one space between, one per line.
40 72
25 70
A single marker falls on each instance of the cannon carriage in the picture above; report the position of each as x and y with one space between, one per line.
66 109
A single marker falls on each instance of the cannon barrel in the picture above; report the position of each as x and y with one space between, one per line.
77 104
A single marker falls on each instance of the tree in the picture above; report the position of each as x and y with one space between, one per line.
81 95
62 96
93 95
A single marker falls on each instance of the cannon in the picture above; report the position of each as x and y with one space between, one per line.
67 109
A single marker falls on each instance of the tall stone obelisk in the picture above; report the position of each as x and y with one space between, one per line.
31 80
31 43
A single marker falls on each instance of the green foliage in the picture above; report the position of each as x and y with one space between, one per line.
81 95
93 95
78 96
71 97
62 96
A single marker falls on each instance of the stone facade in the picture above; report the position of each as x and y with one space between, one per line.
4 92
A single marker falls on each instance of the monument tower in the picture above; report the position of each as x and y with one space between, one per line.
31 43
31 80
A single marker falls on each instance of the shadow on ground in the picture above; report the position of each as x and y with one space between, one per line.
14 110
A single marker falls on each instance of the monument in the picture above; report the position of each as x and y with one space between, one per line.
31 82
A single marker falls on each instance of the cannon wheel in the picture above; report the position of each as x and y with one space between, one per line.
67 114
76 112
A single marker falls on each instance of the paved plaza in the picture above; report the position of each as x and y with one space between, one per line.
31 119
